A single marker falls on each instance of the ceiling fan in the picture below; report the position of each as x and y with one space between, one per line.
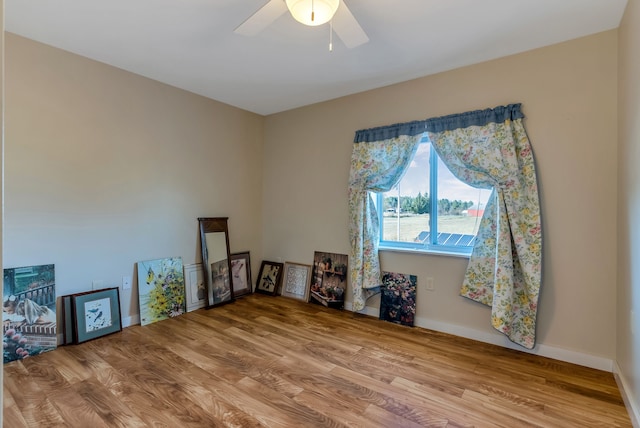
308 12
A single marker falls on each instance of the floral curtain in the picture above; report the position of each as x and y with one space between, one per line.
490 149
379 160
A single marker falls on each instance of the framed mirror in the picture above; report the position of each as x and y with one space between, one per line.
216 260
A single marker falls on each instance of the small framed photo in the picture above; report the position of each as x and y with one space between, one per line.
241 273
96 314
269 277
296 281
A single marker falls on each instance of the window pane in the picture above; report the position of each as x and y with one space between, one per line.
406 206
460 208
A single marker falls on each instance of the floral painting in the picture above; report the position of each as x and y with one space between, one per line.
398 300
161 289
29 312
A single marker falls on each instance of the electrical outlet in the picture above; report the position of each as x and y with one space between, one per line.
126 282
97 284
429 285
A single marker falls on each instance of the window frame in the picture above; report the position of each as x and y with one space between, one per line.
431 247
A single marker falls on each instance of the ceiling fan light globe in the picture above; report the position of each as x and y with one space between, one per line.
321 10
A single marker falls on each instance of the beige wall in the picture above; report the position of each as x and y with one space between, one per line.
628 342
569 96
105 168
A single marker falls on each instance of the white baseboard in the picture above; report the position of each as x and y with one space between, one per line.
627 395
496 338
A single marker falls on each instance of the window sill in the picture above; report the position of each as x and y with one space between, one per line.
423 252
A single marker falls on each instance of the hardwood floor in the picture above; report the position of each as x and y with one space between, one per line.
276 362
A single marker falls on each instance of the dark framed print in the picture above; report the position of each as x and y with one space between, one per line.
241 273
296 281
96 314
269 277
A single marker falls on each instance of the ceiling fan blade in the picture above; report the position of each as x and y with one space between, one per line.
347 28
264 17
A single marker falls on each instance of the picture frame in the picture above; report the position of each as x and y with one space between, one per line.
329 279
269 277
296 281
96 314
67 321
241 273
196 292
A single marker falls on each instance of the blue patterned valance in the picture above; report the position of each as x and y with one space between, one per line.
474 118
382 133
440 124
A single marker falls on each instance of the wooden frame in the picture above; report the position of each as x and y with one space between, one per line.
269 278
296 281
241 273
96 314
214 242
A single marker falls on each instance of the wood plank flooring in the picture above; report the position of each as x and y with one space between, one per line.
277 362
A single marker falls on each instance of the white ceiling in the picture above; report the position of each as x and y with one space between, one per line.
190 44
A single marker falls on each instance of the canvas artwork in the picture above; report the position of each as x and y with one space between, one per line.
29 311
161 289
329 279
398 300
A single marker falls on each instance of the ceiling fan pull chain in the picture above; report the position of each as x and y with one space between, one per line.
331 36
313 13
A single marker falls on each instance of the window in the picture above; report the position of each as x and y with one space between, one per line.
430 209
